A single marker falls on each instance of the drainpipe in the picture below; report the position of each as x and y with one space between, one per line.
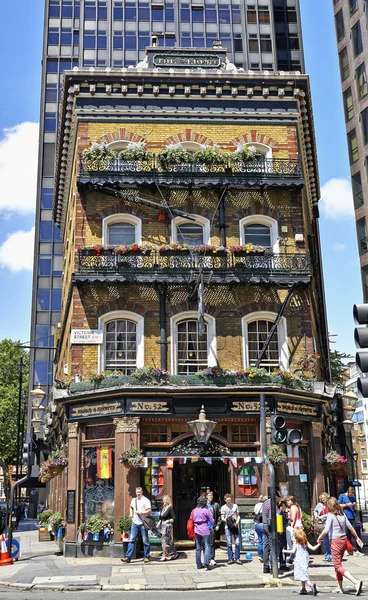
162 288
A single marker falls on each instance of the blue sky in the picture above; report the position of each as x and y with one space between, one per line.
19 114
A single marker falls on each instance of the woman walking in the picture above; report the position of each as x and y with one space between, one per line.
201 517
167 518
258 526
320 515
336 526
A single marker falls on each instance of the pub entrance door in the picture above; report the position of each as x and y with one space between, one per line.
189 481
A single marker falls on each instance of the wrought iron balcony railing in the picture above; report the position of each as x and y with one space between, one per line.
279 168
176 264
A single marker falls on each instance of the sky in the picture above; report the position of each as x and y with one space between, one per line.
20 79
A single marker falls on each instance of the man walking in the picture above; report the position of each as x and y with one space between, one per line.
140 506
231 517
349 505
214 509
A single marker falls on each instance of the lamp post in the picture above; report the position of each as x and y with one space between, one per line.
202 427
356 483
349 401
37 397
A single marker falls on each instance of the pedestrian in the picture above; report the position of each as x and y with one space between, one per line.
26 508
336 527
295 518
281 535
258 526
320 515
214 509
231 517
301 561
167 518
40 508
201 517
348 503
140 506
267 532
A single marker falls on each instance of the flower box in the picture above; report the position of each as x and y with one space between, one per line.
90 252
136 253
174 252
245 253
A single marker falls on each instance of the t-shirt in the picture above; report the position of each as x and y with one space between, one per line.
336 526
230 511
139 505
348 510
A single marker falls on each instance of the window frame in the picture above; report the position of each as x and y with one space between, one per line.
281 336
121 315
261 220
121 218
211 337
199 220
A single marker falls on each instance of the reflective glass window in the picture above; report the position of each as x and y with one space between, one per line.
209 39
121 345
364 120
348 104
344 64
294 41
257 234
197 14
44 266
90 11
235 10
257 334
353 6
121 234
43 299
40 372
238 43
198 40
169 13
54 9
58 265
50 122
143 11
102 11
157 13
51 65
169 41
190 234
224 13
67 9
130 40
46 231
251 14
185 40
356 182
353 146
143 41
76 9
117 40
89 40
51 92
66 36
356 34
46 197
253 42
210 12
42 332
102 40
76 38
55 299
57 233
266 44
130 11
118 11
53 36
263 15
339 25
184 13
192 348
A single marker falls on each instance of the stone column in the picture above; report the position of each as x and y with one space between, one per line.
316 451
126 479
73 481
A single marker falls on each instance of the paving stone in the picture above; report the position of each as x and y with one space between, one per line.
211 585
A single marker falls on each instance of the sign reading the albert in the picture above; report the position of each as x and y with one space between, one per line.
187 60
96 409
86 336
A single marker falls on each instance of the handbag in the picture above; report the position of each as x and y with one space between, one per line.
149 523
349 545
190 528
231 525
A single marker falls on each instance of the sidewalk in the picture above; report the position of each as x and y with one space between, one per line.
42 567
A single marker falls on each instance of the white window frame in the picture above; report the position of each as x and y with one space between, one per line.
264 315
127 315
121 218
261 220
118 145
263 148
177 221
211 337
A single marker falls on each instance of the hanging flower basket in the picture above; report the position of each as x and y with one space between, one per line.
335 463
276 455
132 457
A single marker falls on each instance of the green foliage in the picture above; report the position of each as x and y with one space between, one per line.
45 516
307 523
56 521
124 523
211 156
174 155
338 367
10 357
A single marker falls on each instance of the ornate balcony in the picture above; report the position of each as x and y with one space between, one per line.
177 266
276 171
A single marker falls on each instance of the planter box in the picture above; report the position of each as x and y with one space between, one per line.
44 534
244 253
135 253
88 252
175 253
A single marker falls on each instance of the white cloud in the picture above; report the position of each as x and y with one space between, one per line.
339 247
337 199
18 168
17 252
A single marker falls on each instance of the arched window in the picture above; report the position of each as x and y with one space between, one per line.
266 151
190 351
247 480
260 230
191 233
121 230
122 348
256 327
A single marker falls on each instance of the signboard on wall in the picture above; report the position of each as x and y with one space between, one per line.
249 539
86 336
96 409
70 506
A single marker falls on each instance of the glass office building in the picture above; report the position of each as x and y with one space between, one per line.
258 34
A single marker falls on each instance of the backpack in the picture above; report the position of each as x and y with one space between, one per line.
190 528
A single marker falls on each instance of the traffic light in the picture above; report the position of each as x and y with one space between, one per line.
28 454
278 429
360 312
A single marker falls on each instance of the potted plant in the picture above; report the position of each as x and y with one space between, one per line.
98 157
211 156
175 158
135 152
174 249
133 250
43 531
95 525
245 154
245 249
132 457
124 527
335 463
276 455
209 249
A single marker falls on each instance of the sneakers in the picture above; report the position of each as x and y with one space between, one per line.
146 560
238 562
207 567
212 562
126 560
163 558
357 553
346 554
303 592
315 591
359 588
231 561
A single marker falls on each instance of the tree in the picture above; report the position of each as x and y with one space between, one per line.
10 360
338 367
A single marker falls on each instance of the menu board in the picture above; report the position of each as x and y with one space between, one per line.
70 506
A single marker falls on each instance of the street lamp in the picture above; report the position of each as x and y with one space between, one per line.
202 427
349 401
37 397
356 483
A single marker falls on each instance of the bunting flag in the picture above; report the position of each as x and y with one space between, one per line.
247 459
293 459
183 460
104 462
208 460
170 463
234 461
195 459
144 462
85 535
224 460
155 462
258 460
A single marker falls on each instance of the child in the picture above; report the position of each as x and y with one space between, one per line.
301 561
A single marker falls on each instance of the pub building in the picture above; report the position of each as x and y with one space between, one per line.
187 194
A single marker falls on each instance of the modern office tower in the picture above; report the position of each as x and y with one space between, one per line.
258 34
351 33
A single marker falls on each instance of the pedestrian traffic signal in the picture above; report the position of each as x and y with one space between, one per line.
360 312
28 454
278 429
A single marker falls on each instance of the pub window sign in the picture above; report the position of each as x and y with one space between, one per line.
86 336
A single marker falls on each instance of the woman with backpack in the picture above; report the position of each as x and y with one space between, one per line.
258 526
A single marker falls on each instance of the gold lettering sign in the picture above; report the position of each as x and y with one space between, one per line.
89 410
245 406
186 60
301 409
149 406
